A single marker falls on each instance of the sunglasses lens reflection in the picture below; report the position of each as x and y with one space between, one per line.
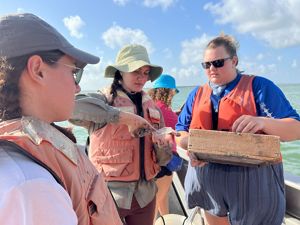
78 75
216 63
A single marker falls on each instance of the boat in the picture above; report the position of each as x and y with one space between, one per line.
178 205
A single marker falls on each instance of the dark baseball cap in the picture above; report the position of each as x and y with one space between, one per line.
25 33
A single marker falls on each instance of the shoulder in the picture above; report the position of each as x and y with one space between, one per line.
99 95
25 187
263 86
262 82
195 90
192 95
16 169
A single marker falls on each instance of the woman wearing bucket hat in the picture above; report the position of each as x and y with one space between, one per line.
162 93
130 164
45 179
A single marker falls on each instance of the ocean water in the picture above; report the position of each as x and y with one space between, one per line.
290 150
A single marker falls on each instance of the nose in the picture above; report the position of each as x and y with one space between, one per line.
211 67
142 76
78 88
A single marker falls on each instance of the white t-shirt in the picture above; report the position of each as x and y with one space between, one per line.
29 194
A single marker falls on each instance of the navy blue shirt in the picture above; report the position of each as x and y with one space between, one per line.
269 99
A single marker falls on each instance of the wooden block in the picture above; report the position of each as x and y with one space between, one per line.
234 148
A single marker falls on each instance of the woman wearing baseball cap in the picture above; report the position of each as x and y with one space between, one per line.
45 179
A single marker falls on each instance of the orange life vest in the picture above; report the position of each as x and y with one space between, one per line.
116 154
239 101
91 199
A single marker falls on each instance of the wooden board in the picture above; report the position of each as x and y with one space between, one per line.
234 148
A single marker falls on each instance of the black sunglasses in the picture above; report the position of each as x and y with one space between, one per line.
77 72
216 63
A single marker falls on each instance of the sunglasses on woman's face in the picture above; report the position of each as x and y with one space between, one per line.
216 63
77 72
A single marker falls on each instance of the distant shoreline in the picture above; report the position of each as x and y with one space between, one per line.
189 86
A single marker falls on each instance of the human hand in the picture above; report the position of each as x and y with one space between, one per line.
164 143
248 124
165 134
137 125
163 138
194 160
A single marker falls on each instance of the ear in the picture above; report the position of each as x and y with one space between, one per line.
235 60
36 68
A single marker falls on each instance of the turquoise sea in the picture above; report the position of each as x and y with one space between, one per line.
290 150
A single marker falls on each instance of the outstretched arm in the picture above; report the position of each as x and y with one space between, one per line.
93 109
137 125
288 129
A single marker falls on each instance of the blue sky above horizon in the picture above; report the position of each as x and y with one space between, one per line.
175 33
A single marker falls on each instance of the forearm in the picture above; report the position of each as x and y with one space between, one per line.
126 118
93 109
287 129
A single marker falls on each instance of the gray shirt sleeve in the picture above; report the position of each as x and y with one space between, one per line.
92 110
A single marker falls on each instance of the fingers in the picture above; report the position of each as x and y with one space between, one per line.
247 124
141 132
163 140
140 127
195 161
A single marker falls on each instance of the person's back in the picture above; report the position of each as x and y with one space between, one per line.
162 93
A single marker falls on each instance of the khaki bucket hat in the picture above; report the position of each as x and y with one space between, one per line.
130 58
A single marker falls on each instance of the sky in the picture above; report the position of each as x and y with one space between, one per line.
175 33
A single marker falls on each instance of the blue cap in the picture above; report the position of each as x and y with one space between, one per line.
165 81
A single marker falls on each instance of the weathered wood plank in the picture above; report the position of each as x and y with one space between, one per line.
234 148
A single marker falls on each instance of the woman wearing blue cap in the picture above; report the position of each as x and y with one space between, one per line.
162 93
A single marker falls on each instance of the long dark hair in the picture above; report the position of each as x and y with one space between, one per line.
116 85
10 73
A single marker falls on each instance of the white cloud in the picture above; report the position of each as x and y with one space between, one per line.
257 68
279 58
74 24
121 2
189 76
117 36
274 21
192 50
260 56
294 64
168 54
164 4
20 10
198 27
187 72
93 77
